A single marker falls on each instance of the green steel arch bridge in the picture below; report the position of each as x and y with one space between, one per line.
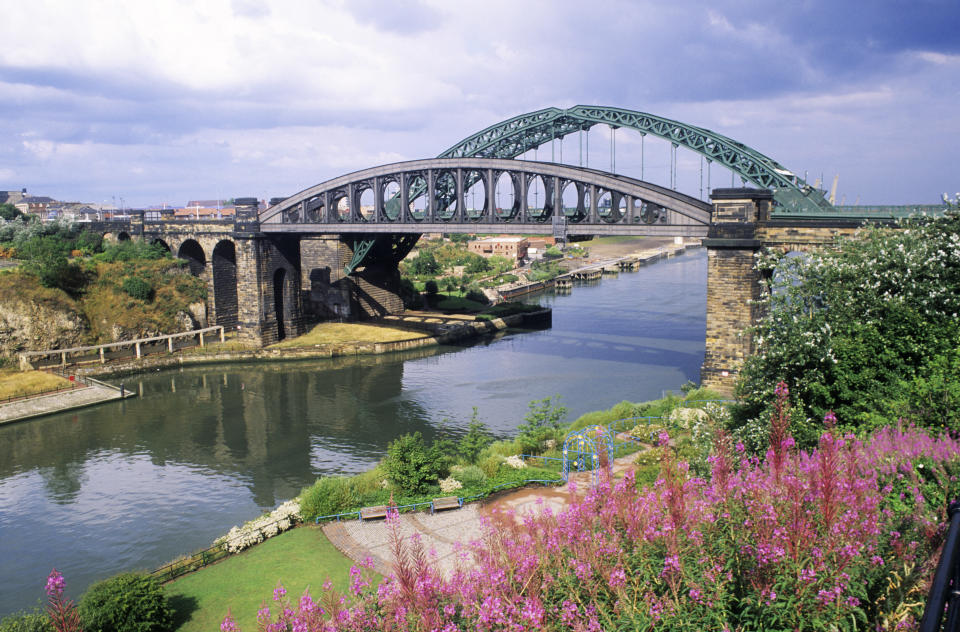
512 138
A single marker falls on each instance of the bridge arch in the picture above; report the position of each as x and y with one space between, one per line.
160 242
225 304
196 259
515 136
123 236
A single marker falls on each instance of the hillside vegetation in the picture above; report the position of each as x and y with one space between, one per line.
70 290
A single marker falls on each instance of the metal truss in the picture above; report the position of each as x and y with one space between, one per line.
432 196
515 136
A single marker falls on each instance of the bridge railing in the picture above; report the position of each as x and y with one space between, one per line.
99 354
942 611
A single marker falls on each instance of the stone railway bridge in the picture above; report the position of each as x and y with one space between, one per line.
332 251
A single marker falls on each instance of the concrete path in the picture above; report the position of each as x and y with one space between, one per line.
51 403
447 535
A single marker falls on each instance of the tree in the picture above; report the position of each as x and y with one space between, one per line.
412 466
543 415
9 212
477 438
425 263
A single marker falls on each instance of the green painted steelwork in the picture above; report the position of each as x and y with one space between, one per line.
360 250
513 137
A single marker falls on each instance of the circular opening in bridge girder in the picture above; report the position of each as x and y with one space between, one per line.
390 199
417 197
314 208
365 202
474 195
341 205
505 197
192 252
445 195
122 236
537 198
604 204
570 200
291 215
651 213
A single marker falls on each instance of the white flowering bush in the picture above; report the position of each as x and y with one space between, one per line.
515 462
845 327
450 484
259 529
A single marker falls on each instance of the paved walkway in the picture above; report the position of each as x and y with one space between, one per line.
57 402
447 535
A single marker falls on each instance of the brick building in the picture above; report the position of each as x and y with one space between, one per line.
511 247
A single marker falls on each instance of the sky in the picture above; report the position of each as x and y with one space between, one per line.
166 101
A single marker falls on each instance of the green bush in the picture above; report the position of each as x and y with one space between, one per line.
847 328
138 288
329 495
470 475
129 602
36 621
412 466
431 287
477 296
131 250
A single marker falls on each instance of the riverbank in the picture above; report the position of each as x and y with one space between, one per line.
442 329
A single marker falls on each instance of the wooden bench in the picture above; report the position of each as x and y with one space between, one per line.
380 511
447 502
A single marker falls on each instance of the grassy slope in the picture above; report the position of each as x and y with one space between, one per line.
327 333
300 558
14 383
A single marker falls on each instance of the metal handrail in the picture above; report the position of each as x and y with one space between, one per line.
945 588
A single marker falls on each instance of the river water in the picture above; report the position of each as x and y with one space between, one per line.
133 484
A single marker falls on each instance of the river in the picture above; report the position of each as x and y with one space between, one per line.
133 484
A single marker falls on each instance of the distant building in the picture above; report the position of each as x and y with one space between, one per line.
511 247
34 205
537 245
204 213
12 197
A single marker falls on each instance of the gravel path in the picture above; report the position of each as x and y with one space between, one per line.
447 535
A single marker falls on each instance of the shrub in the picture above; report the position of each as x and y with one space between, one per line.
490 464
471 476
412 466
477 296
431 287
26 622
845 328
138 287
129 602
329 495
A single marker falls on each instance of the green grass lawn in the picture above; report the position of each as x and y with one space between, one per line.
299 558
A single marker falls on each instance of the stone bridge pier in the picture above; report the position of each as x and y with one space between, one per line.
269 286
741 225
